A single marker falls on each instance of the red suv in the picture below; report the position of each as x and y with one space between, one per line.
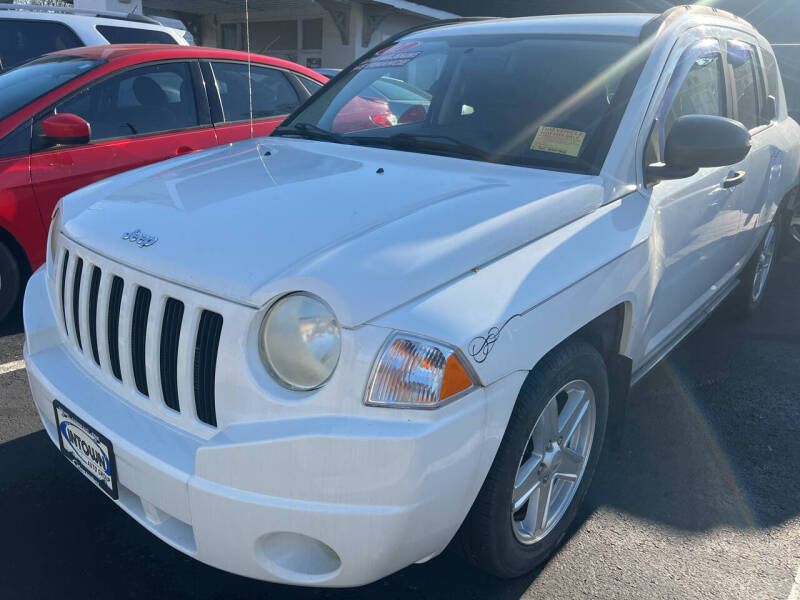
75 116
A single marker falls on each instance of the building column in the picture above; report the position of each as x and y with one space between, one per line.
208 31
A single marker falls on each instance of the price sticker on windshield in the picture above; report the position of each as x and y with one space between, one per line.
397 59
559 141
398 55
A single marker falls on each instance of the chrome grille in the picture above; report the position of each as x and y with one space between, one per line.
150 344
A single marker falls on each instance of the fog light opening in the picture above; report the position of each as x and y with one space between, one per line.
297 557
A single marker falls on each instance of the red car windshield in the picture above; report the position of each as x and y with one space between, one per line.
547 101
21 86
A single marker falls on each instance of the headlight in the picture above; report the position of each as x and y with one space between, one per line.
414 372
52 237
301 341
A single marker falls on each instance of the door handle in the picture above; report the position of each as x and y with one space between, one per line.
183 150
734 179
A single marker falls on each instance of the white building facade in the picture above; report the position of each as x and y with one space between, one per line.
314 33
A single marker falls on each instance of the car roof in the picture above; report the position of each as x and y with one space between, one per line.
639 25
152 52
44 12
76 20
616 24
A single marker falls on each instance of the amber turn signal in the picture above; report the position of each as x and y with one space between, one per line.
413 372
455 380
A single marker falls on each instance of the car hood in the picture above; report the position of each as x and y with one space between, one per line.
366 229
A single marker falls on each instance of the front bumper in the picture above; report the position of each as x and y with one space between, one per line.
329 500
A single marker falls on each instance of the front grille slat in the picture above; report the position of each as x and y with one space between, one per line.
150 341
64 288
170 338
94 292
205 366
76 296
141 310
114 304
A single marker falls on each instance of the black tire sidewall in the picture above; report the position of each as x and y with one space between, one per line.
10 281
503 554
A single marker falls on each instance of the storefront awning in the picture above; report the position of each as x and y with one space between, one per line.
418 9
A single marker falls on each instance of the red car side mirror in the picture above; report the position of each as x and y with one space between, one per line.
66 128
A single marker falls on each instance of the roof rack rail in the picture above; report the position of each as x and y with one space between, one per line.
676 12
81 11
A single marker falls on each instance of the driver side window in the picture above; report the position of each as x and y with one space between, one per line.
697 88
141 101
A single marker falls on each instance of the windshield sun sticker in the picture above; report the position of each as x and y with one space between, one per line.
556 140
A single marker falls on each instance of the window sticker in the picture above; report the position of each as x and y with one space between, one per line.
559 141
394 56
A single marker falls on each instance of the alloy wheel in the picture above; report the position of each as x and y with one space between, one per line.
553 462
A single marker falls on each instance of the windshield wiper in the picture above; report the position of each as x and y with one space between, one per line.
428 142
310 131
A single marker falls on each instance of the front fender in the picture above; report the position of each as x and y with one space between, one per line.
507 314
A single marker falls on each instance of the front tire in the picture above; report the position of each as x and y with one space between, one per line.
544 465
10 281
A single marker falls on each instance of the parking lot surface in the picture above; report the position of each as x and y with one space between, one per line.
701 499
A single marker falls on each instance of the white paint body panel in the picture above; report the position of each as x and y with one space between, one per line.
85 27
440 247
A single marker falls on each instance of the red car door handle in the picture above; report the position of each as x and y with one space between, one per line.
183 150
734 179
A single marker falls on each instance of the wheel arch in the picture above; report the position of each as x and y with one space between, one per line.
608 334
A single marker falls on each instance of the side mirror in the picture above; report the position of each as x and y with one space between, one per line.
700 141
66 128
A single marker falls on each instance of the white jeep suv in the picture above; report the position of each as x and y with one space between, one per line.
29 31
318 357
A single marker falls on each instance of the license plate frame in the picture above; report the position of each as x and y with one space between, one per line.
87 449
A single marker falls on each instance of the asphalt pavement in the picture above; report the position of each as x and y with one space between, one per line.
700 500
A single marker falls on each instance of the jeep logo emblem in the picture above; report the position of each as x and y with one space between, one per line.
140 239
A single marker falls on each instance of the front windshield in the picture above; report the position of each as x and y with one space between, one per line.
543 101
26 83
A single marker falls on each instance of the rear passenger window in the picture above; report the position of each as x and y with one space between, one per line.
21 41
130 35
742 59
273 95
141 101
312 86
